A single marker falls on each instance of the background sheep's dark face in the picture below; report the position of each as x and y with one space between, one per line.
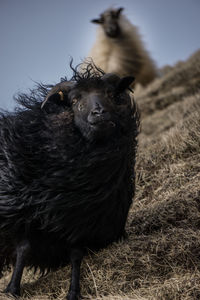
100 106
110 22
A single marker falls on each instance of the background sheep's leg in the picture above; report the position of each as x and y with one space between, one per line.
76 256
14 285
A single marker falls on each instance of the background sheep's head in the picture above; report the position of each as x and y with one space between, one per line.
109 21
100 105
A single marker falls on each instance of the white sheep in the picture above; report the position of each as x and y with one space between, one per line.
119 48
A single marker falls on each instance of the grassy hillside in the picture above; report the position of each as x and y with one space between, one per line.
161 257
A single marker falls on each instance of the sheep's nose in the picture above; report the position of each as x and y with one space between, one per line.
98 110
112 30
98 114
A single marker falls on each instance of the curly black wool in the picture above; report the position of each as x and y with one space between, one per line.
59 187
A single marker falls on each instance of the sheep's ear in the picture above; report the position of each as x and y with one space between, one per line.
118 12
124 83
58 95
97 21
54 98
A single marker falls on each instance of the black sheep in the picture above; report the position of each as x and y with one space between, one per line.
67 159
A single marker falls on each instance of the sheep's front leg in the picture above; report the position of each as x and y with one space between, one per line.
1 267
22 252
76 256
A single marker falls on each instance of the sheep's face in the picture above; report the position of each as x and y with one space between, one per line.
93 113
109 20
101 106
99 110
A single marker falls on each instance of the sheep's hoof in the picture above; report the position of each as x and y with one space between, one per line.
15 292
73 296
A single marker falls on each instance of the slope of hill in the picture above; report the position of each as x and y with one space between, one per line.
161 257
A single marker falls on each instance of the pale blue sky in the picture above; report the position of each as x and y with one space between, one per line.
37 37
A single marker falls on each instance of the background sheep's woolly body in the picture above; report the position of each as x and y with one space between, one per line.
125 55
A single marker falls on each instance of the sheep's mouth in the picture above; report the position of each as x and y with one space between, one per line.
101 123
101 130
112 32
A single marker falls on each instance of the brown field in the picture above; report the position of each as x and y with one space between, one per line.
161 258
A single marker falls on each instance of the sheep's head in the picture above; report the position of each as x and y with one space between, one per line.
109 20
100 105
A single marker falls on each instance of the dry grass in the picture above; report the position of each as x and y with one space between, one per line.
160 260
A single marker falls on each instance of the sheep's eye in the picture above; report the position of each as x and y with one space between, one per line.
110 95
80 106
113 15
101 19
74 101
